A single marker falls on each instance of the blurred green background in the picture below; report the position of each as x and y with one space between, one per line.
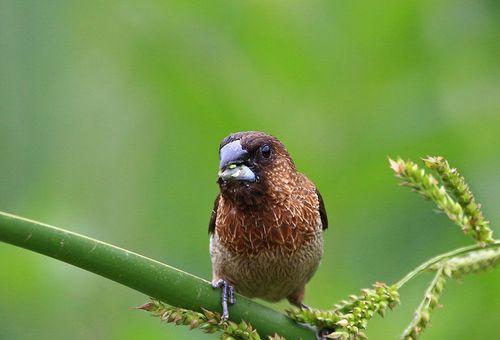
111 113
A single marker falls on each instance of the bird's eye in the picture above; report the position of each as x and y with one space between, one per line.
266 151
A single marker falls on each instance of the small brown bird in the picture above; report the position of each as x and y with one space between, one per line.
266 229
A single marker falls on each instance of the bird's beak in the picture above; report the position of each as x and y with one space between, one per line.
237 172
232 163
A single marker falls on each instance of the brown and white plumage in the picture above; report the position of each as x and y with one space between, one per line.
266 229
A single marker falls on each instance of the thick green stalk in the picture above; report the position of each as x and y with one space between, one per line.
143 274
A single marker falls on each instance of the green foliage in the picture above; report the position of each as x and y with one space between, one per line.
208 322
472 262
457 201
454 267
460 209
349 318
422 316
456 185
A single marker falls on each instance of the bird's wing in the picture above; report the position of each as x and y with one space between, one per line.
213 217
322 211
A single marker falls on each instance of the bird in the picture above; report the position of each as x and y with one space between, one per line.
267 223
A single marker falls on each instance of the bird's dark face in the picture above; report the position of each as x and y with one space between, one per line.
252 165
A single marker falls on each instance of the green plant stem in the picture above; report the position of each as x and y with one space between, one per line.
426 265
153 278
421 317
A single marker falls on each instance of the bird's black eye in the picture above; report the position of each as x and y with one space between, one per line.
266 151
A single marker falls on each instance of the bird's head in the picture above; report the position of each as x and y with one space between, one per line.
254 166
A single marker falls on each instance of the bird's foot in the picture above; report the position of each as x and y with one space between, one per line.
227 296
322 333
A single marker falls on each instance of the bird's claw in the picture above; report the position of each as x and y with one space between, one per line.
322 333
227 296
